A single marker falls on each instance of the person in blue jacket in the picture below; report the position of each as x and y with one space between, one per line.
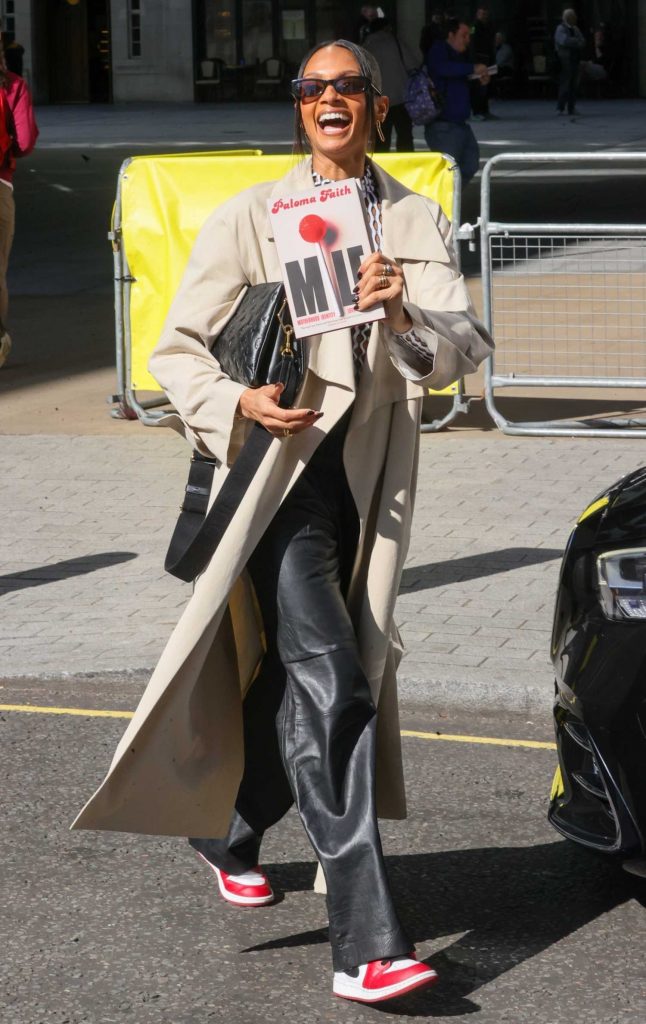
449 71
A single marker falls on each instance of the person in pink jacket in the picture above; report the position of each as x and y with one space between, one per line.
18 134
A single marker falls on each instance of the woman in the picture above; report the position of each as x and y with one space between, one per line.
321 534
18 134
395 62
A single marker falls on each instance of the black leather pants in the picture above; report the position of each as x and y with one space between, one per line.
309 719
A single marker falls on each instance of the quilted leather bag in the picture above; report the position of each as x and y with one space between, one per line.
256 347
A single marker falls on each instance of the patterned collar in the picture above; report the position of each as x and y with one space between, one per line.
367 183
372 202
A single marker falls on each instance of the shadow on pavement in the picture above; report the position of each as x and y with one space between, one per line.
65 570
509 904
473 567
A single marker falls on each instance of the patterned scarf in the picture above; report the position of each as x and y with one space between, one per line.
361 332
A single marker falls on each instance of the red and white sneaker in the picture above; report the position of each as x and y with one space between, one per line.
382 979
252 889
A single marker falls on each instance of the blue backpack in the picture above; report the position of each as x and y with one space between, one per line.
423 102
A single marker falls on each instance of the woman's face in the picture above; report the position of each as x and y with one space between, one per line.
337 126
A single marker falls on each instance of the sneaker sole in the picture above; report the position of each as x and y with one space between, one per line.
238 901
359 995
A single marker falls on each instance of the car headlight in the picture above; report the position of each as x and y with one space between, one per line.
622 583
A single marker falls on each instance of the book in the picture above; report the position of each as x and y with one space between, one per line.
322 239
491 70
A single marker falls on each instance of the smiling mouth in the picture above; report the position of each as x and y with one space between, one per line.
334 122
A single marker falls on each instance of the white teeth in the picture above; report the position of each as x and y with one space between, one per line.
333 117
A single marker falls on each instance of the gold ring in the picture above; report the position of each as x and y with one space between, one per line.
388 270
287 433
383 281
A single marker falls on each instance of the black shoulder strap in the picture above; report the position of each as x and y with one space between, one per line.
195 538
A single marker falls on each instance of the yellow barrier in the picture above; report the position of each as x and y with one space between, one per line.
166 199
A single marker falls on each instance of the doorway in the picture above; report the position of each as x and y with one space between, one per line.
78 51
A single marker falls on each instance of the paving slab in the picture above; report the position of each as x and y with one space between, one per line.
86 520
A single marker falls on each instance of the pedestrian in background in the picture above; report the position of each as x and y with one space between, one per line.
449 71
367 15
18 134
505 57
433 31
395 60
14 53
569 44
483 49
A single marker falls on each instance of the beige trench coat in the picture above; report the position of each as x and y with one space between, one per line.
178 766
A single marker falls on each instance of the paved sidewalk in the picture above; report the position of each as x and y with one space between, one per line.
85 522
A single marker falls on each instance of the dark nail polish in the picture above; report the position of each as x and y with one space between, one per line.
356 288
356 305
359 275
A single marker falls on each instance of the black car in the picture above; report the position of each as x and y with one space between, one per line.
599 653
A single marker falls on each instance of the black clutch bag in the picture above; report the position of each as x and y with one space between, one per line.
256 347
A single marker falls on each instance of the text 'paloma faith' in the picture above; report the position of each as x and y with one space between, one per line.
322 196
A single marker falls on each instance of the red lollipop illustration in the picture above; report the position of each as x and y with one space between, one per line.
313 229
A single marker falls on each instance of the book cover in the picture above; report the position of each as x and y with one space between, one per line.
322 239
491 70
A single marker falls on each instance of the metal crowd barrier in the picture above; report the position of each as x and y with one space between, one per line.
460 403
566 303
127 404
155 218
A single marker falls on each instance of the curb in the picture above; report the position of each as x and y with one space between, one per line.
474 693
451 693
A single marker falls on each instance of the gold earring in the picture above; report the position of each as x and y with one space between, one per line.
380 132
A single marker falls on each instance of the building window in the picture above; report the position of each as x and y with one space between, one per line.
217 31
257 31
9 18
134 28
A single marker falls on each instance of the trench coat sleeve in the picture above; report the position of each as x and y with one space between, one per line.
203 395
443 320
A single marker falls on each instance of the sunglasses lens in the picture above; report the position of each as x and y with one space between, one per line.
350 86
308 88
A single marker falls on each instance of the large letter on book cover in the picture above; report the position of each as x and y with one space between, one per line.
308 290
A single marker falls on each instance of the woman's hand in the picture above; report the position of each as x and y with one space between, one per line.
381 280
261 404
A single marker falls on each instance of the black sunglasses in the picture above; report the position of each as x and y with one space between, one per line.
346 85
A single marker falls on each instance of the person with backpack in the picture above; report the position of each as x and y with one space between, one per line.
18 134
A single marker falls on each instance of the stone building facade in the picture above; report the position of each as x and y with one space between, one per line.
97 51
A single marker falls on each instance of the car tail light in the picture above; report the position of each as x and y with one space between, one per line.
622 583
